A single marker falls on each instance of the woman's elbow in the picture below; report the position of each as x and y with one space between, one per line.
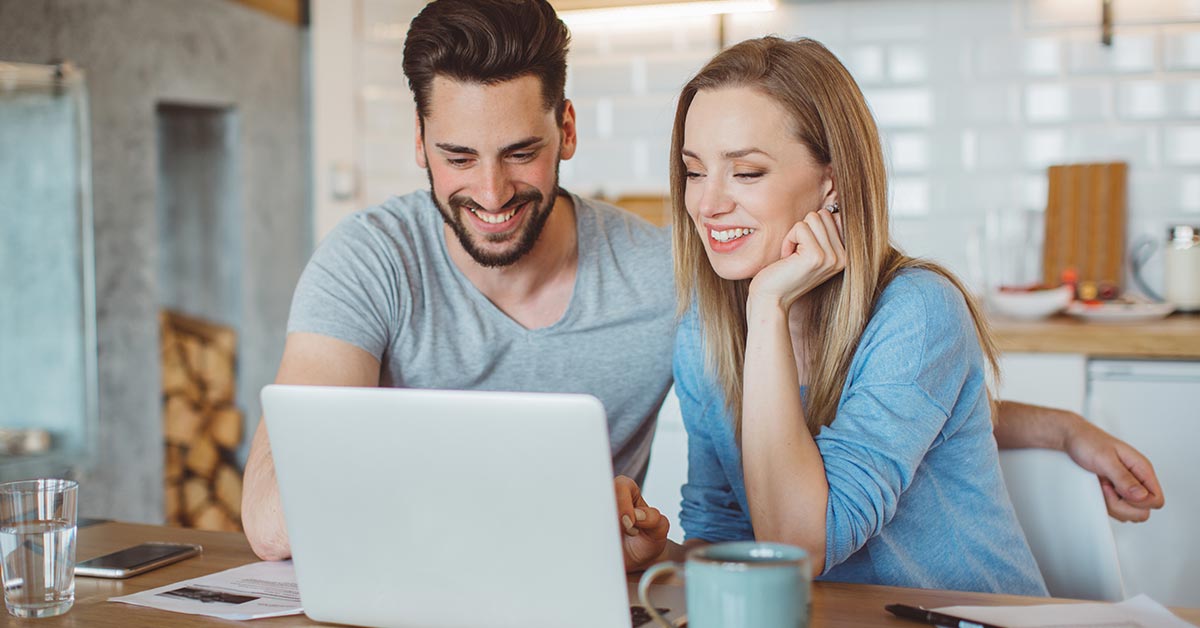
812 545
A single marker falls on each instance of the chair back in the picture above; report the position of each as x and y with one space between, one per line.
1062 512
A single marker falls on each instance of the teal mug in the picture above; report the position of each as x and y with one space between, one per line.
739 585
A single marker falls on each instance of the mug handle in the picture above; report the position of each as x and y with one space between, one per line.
648 578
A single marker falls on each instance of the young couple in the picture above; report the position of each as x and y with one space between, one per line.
834 390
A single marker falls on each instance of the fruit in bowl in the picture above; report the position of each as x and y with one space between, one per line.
1029 302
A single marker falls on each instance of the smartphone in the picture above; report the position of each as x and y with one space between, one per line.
132 561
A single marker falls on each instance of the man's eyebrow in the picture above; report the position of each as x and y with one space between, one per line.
515 146
525 143
455 148
732 154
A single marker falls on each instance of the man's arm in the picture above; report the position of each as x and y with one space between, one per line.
308 360
1127 478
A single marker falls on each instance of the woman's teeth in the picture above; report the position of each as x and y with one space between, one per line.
729 234
494 219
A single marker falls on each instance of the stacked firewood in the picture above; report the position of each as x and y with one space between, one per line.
201 423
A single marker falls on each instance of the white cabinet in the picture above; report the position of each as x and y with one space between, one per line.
1057 380
1155 406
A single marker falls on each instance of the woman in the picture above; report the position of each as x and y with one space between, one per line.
834 394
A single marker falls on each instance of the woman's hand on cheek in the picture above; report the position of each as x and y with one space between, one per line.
811 254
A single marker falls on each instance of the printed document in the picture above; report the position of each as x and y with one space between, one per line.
1136 612
266 589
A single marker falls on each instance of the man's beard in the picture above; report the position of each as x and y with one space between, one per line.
526 238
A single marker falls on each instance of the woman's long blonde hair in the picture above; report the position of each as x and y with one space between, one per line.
830 117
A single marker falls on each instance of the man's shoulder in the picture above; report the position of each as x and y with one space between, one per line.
399 224
626 240
395 214
623 225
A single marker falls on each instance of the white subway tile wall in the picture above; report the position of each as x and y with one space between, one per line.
1132 53
1183 50
974 100
1182 146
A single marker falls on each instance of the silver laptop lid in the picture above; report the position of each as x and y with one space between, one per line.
448 508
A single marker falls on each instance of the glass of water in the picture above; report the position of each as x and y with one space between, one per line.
37 546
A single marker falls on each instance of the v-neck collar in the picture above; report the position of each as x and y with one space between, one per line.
583 267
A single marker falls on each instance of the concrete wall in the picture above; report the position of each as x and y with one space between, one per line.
138 54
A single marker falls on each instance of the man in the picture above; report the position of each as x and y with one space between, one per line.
497 279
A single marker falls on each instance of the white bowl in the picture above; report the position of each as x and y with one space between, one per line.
1031 305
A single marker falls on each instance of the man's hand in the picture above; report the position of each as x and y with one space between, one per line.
1127 478
643 528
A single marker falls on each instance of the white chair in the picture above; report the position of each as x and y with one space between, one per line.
667 473
1061 509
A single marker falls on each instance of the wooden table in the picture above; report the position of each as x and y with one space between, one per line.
834 605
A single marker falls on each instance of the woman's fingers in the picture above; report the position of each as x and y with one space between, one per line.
829 256
801 241
822 236
833 228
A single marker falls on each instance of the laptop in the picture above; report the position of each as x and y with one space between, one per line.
452 509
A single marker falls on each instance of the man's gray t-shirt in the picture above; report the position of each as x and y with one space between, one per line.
383 281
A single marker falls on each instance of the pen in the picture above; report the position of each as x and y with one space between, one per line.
932 617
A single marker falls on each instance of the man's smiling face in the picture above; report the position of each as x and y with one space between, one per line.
492 154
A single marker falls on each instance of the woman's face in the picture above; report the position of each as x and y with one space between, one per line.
748 179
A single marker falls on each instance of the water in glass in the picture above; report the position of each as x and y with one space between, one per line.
38 567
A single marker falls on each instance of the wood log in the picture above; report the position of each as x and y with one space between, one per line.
175 376
181 421
196 495
225 427
193 354
212 517
227 487
173 503
202 458
173 465
217 375
224 338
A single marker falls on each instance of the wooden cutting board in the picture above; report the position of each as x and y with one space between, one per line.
1085 223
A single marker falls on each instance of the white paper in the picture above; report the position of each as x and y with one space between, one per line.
1136 612
254 591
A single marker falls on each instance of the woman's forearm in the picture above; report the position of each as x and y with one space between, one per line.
785 479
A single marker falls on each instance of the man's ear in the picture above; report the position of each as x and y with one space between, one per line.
422 160
569 137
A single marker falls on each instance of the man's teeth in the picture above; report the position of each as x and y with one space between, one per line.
730 234
495 219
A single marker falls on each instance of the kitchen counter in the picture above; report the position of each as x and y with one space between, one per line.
1177 336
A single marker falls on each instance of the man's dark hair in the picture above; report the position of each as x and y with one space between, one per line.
488 42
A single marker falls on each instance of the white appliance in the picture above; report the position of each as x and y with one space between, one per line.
1155 406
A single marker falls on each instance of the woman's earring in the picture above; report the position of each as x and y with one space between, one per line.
833 207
